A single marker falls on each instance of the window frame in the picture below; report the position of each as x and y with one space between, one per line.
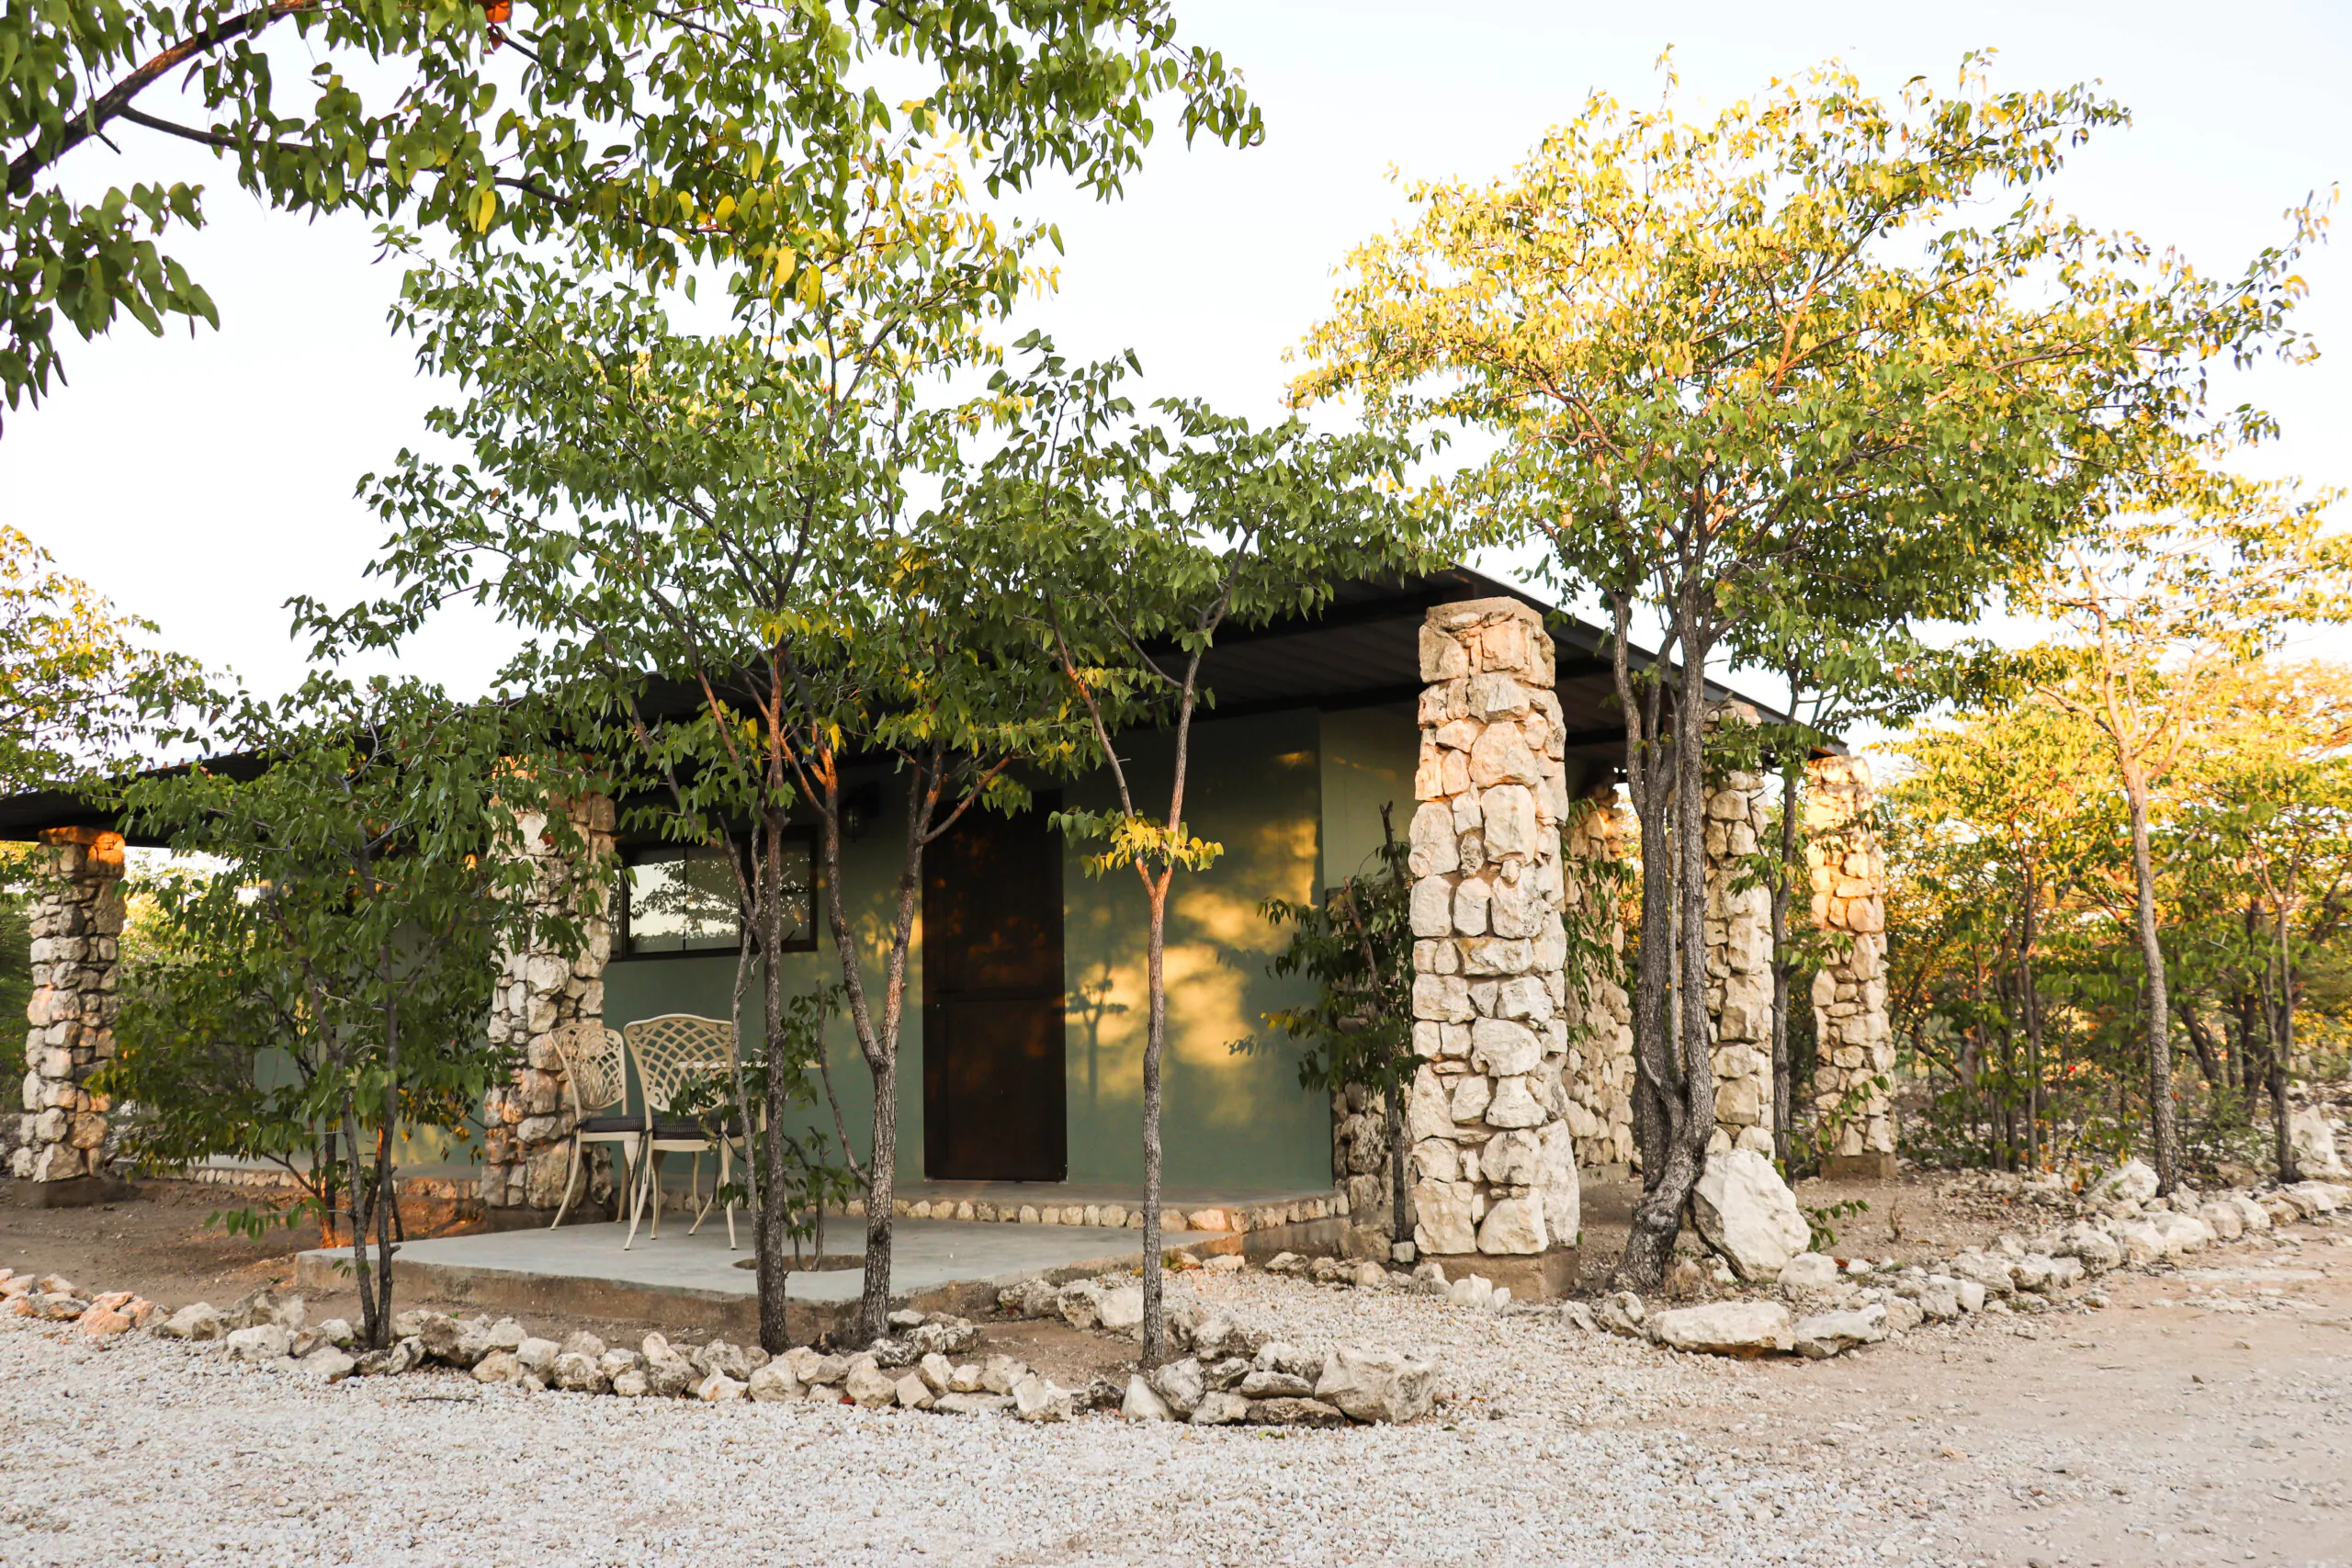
625 947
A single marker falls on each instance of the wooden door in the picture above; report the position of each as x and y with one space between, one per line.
994 1094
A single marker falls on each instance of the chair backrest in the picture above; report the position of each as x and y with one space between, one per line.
675 1047
594 1070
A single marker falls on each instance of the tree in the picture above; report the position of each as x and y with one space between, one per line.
1843 658
2010 799
2164 610
368 878
1722 356
734 514
673 138
73 674
2268 829
1140 542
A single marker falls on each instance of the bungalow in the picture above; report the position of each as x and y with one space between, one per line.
1444 699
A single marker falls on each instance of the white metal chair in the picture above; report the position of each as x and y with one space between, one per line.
596 1077
671 1050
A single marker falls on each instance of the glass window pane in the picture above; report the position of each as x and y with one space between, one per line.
681 901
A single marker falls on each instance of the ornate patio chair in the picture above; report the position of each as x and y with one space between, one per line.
596 1079
672 1051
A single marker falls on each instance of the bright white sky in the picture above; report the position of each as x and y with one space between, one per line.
201 483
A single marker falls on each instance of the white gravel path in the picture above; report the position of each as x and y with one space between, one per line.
150 1452
2127 1437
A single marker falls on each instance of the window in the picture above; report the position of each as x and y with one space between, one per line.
682 901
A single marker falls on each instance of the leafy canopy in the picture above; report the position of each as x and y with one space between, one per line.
666 136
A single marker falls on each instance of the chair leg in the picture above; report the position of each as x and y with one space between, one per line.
638 1178
570 1173
653 1188
702 1210
726 1169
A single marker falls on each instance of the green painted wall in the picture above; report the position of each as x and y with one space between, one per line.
1368 758
1229 1121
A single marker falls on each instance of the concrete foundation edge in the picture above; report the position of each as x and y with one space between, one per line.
80 1192
1541 1277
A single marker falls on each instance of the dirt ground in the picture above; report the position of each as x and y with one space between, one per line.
161 1245
2204 1416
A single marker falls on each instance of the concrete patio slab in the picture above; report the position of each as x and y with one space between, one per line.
693 1282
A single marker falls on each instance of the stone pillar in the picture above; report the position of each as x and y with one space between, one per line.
76 929
1852 1080
528 1123
1494 1165
1599 1013
1739 953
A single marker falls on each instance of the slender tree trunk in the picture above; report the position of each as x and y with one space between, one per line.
1688 1106
771 1200
1784 968
2163 1121
1154 1036
358 1187
1400 1227
2282 1055
2030 1001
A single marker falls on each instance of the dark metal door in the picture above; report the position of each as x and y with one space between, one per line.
994 1094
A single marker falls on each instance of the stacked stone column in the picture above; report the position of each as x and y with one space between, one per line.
76 931
1493 1161
528 1123
1739 953
1851 1098
1599 1073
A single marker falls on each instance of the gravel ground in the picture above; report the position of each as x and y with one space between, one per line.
2077 1437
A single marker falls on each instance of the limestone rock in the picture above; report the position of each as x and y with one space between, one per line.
199 1321
1377 1385
1080 1304
328 1364
537 1355
997 1376
1992 1273
1220 1410
2132 1182
632 1385
1725 1328
2093 1247
1036 1399
972 1403
1748 1214
719 1389
2140 1241
576 1373
499 1366
773 1383
1276 1385
1808 1271
668 1376
1181 1384
581 1343
2321 1197
914 1393
2314 1143
1621 1312
1823 1335
2183 1234
262 1342
937 1373
1143 1403
1120 1308
868 1385
1290 1411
